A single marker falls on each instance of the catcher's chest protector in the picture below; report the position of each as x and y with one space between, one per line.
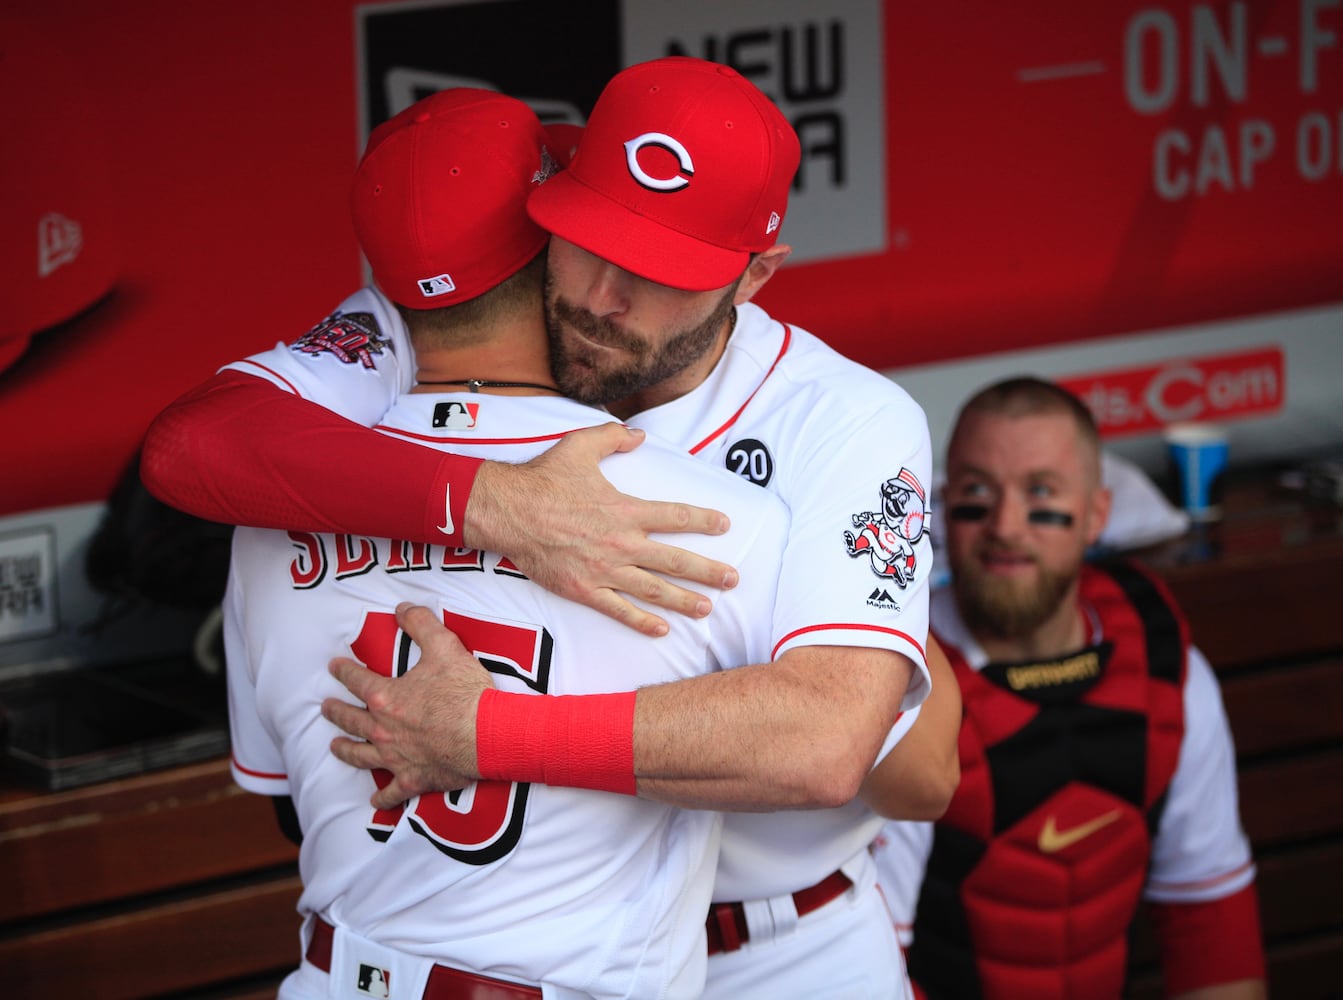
1037 866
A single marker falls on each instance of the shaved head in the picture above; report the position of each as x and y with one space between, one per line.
1027 396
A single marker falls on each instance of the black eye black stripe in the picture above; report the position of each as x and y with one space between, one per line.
977 512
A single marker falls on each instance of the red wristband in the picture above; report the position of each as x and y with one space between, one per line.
1207 944
573 741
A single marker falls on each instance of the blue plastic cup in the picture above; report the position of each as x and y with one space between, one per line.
1198 454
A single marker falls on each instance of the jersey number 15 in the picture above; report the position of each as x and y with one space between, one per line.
481 823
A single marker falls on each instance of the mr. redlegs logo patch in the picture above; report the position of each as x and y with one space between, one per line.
1212 388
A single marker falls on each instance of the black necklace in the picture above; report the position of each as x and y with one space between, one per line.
475 384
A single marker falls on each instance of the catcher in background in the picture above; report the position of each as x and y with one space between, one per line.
1097 765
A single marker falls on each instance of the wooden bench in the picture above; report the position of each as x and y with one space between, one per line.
179 883
1262 593
163 884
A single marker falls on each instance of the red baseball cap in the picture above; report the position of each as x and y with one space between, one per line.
682 173
60 252
439 196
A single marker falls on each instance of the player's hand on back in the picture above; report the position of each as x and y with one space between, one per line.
575 534
422 726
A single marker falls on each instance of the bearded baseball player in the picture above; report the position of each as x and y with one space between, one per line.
663 229
500 889
1098 768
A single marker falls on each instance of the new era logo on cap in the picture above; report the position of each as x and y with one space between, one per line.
59 241
682 173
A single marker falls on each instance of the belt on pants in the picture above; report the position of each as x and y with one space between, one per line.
727 926
445 982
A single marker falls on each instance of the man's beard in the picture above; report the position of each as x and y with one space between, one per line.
577 368
1007 609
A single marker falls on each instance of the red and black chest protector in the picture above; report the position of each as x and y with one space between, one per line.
1037 866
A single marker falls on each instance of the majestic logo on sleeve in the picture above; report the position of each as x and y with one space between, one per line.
354 338
887 537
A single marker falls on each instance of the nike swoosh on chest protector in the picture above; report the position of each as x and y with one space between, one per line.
1052 839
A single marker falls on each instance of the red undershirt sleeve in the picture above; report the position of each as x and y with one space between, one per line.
238 450
1204 944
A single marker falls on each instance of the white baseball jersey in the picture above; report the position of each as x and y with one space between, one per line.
356 362
789 413
1200 851
593 893
848 452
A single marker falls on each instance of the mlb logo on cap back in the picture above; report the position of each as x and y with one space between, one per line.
683 171
439 197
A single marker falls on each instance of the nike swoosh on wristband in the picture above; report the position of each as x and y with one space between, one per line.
447 527
1052 839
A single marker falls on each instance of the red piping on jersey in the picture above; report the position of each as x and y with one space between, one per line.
1206 883
858 626
271 371
258 774
397 432
787 339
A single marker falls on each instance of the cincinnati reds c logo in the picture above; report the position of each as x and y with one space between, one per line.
673 183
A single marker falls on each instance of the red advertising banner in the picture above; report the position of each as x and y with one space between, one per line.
1059 171
1221 387
977 177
